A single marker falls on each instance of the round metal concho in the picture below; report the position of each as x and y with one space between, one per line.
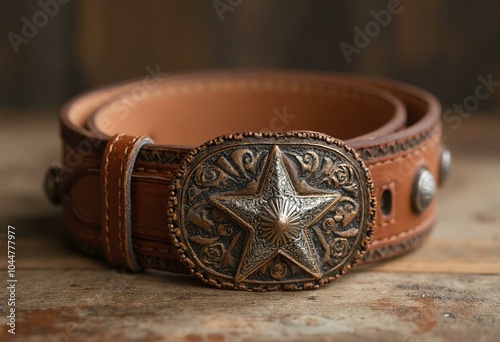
52 183
424 190
257 211
444 165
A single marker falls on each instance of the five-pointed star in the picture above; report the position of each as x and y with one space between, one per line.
276 218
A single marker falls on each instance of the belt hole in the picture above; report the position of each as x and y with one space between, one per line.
386 202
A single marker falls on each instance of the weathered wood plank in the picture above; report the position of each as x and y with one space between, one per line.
100 305
447 290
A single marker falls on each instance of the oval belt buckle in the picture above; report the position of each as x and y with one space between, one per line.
271 211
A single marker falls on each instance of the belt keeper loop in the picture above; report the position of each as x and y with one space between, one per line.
116 178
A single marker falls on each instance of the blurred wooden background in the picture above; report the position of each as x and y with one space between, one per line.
443 46
449 290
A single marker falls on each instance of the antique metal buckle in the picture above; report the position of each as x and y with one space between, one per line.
268 211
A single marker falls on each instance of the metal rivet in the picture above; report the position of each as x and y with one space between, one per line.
52 184
424 190
445 165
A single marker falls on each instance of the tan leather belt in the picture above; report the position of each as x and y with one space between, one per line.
224 175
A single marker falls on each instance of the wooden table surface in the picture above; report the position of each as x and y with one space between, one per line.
448 290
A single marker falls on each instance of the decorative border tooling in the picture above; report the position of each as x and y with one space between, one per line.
246 274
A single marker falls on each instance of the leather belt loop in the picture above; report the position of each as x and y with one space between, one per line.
116 177
285 207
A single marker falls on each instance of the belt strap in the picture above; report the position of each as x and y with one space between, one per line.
116 175
393 127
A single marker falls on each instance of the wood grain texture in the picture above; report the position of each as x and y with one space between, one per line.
448 290
105 305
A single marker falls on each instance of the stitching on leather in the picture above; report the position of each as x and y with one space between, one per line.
152 170
390 221
95 237
120 208
154 249
296 86
426 146
106 195
423 148
123 161
314 87
143 169
406 232
386 223
90 236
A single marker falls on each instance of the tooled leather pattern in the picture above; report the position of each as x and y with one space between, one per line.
160 162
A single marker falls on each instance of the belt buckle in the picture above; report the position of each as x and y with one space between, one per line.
270 211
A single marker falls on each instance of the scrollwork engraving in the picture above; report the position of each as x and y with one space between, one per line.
271 212
339 247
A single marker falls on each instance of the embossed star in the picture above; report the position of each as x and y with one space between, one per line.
276 217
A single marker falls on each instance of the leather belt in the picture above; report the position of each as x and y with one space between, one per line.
225 175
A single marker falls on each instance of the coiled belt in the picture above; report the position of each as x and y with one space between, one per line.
254 180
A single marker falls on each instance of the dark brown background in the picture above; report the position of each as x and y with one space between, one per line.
447 290
443 46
